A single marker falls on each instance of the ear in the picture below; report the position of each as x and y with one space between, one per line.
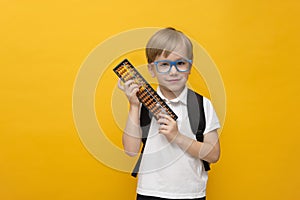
191 68
151 70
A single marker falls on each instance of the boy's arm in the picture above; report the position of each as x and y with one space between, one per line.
132 133
208 150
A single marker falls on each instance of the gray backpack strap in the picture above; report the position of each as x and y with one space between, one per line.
197 118
145 122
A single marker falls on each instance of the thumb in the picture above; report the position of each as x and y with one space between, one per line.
120 86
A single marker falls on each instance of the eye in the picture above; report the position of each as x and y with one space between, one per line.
181 62
163 64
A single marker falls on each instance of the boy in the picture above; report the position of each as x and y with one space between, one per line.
171 166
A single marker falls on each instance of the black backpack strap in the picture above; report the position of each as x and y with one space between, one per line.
197 118
145 120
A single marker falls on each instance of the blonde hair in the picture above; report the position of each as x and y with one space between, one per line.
165 41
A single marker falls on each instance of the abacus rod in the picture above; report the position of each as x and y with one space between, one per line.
157 102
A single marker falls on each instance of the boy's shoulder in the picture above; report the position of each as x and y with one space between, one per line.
193 93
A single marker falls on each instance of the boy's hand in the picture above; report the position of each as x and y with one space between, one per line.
130 88
168 127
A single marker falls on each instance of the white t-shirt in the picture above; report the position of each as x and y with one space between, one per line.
167 171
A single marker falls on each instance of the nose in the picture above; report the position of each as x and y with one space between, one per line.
173 69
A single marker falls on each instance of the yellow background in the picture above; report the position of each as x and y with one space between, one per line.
255 45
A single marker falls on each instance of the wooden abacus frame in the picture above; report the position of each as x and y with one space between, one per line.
146 94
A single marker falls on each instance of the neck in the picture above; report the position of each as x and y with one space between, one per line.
169 94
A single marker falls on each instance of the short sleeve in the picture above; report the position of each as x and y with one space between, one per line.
212 120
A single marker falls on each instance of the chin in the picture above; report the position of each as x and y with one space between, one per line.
174 88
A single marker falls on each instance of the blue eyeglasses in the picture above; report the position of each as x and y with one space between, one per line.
164 66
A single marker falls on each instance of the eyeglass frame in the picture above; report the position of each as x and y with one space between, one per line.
173 63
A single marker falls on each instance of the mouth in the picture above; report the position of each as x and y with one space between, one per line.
173 80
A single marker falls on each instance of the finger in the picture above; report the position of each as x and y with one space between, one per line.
134 91
128 83
162 132
166 116
162 120
162 114
120 85
162 128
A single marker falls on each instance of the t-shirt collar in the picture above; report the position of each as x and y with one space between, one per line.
181 98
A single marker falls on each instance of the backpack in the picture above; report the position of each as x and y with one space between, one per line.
196 118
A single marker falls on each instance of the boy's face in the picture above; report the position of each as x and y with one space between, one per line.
172 82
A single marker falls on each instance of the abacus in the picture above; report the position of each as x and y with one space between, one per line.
146 94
